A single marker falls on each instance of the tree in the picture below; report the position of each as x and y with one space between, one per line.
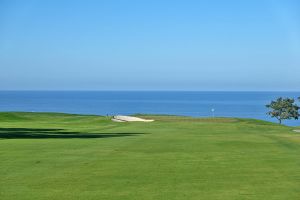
283 108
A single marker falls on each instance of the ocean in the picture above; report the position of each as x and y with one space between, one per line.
196 104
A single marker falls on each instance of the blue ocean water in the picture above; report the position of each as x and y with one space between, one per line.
198 104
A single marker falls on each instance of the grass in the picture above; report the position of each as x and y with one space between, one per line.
62 156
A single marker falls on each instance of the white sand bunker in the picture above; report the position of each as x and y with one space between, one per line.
123 118
297 131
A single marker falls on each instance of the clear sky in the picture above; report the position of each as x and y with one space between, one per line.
150 45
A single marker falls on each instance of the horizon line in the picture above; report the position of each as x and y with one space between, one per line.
92 90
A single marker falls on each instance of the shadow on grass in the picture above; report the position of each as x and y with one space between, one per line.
32 133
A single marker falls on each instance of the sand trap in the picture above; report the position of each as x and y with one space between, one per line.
122 118
117 120
297 131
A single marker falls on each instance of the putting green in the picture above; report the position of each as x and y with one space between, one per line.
62 156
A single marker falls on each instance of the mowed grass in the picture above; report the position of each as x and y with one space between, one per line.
62 156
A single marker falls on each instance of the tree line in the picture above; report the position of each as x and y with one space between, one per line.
283 109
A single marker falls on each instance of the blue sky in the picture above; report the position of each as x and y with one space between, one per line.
150 45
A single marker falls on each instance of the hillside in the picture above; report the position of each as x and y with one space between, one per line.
64 156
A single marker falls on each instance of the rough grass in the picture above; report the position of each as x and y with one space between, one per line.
62 156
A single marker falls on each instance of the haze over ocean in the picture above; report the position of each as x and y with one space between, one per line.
150 45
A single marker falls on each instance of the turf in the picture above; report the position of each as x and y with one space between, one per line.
62 156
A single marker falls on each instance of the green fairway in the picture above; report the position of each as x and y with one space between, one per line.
61 156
